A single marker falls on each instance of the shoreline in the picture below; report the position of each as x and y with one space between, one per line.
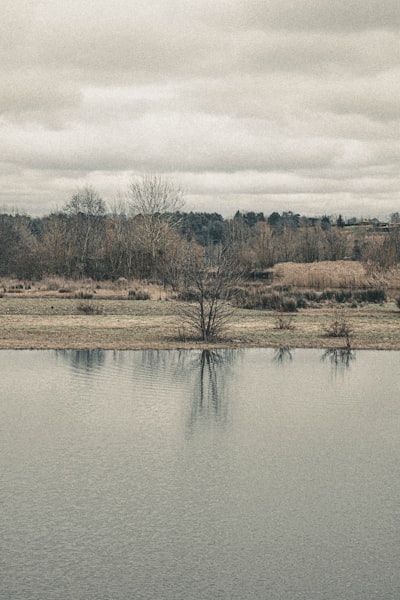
50 323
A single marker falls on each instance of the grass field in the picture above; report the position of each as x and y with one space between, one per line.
49 322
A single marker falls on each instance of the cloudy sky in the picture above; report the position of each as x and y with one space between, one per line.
247 104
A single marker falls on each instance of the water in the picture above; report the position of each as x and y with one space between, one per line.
189 475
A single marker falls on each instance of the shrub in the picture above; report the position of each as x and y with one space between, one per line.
271 301
288 304
339 327
254 298
244 297
339 296
188 295
342 296
88 309
284 322
138 295
373 295
250 297
83 295
301 301
312 296
398 302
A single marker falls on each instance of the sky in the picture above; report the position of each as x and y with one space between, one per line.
264 105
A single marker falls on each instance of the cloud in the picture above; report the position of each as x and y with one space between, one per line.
243 101
320 15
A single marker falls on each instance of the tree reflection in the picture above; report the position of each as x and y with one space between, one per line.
83 360
339 357
209 397
283 354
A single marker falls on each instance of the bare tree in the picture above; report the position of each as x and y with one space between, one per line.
87 202
86 211
18 247
153 201
209 283
263 245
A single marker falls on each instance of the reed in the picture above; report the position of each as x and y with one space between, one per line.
339 274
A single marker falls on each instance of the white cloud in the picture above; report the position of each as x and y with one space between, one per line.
259 101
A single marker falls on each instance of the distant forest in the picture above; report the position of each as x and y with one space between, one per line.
86 239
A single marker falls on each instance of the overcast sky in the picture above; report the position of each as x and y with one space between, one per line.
247 104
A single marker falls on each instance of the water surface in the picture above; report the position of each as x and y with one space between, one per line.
190 475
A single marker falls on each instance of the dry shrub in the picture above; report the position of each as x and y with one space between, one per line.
138 295
53 284
86 308
284 322
83 295
14 285
264 298
339 327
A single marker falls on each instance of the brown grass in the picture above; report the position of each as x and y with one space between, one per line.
54 287
42 317
127 324
339 274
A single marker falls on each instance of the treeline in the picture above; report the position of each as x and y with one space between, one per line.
146 238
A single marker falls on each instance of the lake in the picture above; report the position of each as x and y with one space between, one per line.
180 475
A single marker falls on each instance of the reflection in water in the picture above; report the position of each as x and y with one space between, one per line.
219 474
209 396
84 360
283 354
339 357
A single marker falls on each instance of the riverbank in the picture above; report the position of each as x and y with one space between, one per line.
47 322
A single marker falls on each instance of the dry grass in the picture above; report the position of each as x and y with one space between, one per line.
55 287
130 324
340 274
40 316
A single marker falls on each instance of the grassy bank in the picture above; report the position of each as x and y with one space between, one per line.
44 320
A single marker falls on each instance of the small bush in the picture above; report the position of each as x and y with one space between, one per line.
83 295
288 305
52 284
373 295
284 322
339 327
188 295
250 298
257 299
343 296
88 309
243 297
339 296
312 296
301 301
271 301
138 295
398 302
